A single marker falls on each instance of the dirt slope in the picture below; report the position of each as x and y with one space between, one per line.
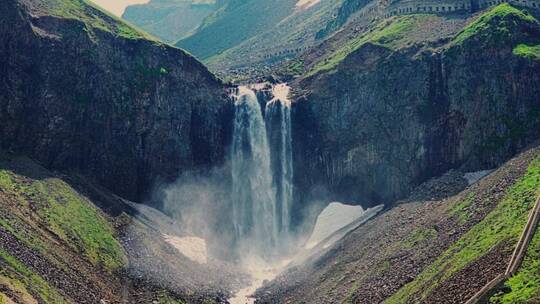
58 246
427 251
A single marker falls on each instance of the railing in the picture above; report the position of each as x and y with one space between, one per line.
517 256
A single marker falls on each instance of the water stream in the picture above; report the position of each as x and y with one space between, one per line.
262 172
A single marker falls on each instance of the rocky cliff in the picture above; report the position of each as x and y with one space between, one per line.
83 91
402 102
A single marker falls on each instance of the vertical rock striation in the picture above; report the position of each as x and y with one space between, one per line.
81 90
386 119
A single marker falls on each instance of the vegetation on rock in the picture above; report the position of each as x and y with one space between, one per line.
15 273
503 225
527 51
500 22
390 33
71 218
94 18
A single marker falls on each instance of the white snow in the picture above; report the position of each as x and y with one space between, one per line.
335 217
473 177
194 248
305 4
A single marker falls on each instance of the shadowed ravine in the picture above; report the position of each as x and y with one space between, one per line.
290 151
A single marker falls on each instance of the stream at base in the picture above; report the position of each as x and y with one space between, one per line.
332 224
261 272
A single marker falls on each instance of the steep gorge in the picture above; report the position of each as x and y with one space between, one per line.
371 117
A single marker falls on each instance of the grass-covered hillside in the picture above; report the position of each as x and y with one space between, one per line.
92 16
56 245
66 240
392 33
494 27
491 239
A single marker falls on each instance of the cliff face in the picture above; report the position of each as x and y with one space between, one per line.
392 109
80 90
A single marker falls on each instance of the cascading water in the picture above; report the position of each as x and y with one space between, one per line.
254 203
279 107
261 197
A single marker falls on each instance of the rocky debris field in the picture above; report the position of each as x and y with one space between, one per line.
378 258
49 259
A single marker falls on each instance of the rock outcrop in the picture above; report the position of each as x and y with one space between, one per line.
84 92
400 109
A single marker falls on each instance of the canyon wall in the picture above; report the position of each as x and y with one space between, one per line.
384 120
82 91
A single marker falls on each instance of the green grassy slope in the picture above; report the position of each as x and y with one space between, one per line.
57 246
51 222
499 25
390 33
94 18
503 225
235 23
524 286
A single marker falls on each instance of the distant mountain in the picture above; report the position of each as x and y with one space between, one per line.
170 20
238 34
250 37
234 23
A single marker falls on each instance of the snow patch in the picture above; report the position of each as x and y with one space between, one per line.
473 177
305 4
194 248
335 217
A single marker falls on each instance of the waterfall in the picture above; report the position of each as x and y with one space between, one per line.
280 108
254 199
262 190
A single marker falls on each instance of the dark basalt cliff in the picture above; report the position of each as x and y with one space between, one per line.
82 91
399 110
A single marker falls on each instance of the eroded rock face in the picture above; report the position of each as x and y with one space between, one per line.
384 121
128 112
